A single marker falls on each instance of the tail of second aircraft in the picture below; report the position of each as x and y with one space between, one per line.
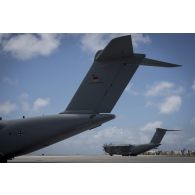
159 134
110 73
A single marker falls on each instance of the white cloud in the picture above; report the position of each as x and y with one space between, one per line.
164 88
140 38
172 92
26 46
117 135
40 103
193 85
32 108
151 126
109 133
159 88
98 137
170 105
7 107
91 142
94 42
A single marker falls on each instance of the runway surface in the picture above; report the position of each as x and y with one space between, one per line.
103 159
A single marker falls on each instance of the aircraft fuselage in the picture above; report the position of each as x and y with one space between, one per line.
22 136
129 150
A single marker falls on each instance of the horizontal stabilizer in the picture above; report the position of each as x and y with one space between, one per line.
167 129
150 62
118 48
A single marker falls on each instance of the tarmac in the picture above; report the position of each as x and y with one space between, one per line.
103 159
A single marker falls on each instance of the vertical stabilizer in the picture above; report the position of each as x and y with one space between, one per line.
112 69
106 79
158 136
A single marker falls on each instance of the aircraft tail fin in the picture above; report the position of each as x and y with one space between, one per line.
112 69
106 79
159 134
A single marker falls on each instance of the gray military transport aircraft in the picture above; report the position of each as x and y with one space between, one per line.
134 150
90 107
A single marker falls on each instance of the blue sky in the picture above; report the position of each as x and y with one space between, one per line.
39 74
